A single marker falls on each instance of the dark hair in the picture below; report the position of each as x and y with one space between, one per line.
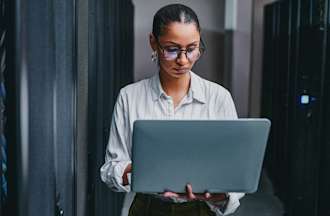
173 13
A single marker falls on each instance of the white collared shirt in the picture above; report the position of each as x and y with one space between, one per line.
147 100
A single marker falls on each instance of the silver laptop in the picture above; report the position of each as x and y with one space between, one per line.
213 155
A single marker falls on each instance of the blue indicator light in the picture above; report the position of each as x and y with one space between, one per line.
304 99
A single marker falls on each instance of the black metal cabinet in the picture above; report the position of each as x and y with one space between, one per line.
42 157
110 68
268 77
296 158
324 208
46 88
276 88
5 67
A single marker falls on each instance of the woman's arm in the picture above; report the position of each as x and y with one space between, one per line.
117 156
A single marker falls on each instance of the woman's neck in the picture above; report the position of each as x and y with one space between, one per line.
175 87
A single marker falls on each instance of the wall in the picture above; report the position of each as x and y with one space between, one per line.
211 15
256 57
238 52
243 53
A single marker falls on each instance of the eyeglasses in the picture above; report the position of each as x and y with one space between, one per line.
192 53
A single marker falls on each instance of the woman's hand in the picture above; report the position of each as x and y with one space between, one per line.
127 170
189 195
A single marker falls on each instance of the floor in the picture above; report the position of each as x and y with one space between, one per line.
261 203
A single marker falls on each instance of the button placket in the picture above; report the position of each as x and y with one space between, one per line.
171 107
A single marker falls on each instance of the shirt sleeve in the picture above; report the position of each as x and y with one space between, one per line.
232 205
227 108
117 155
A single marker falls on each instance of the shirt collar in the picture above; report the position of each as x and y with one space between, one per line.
196 89
156 87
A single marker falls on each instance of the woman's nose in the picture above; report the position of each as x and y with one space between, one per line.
182 58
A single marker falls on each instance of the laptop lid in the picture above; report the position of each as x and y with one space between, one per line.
214 155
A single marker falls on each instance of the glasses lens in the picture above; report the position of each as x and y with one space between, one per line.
194 54
171 54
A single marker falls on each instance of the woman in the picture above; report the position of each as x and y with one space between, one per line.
175 92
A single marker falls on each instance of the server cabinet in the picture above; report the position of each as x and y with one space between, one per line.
298 103
268 84
4 68
275 89
111 67
7 66
324 185
67 72
305 138
40 123
281 94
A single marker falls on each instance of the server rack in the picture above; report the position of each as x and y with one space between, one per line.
111 61
40 118
4 68
324 208
275 88
46 88
299 106
266 102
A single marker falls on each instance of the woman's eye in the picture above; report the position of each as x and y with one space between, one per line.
172 49
191 49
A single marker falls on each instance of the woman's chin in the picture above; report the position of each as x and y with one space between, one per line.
176 74
179 73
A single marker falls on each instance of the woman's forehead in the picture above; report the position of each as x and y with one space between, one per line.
180 33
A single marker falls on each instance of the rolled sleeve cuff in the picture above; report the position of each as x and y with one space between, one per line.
114 178
232 205
118 175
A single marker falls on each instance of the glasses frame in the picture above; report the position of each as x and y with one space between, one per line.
201 48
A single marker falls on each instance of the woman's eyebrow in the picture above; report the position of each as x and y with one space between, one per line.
179 45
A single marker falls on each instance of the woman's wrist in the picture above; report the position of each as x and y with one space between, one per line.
220 204
219 197
127 170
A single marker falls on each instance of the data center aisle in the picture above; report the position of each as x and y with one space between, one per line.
261 203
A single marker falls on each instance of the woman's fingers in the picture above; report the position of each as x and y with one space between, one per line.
193 196
170 194
127 170
190 194
207 195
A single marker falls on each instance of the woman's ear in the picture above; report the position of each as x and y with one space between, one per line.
153 42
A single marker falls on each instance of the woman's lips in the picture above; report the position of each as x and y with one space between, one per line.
181 70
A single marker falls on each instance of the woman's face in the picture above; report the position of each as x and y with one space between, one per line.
177 48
